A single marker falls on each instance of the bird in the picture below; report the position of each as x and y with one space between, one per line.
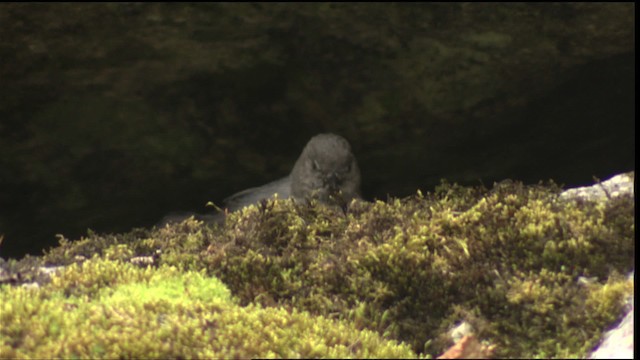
326 171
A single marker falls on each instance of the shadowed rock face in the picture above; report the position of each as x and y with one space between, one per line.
114 114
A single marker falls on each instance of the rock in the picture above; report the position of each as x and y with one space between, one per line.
618 185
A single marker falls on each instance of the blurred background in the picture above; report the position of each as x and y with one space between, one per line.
113 115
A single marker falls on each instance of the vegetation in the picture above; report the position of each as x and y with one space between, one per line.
312 281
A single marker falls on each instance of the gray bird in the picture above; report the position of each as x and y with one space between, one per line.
326 170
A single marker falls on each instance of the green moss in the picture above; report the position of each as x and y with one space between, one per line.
404 266
507 260
110 309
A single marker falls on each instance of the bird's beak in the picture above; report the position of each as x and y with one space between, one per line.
333 181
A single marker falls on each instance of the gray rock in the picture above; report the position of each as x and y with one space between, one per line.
618 185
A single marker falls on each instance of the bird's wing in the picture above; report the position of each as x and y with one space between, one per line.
253 195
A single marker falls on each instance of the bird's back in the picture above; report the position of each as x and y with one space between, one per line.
253 195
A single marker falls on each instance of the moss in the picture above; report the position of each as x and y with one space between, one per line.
506 260
110 309
401 267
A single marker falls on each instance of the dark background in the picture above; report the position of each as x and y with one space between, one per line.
113 115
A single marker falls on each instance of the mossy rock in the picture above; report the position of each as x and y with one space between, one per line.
510 261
